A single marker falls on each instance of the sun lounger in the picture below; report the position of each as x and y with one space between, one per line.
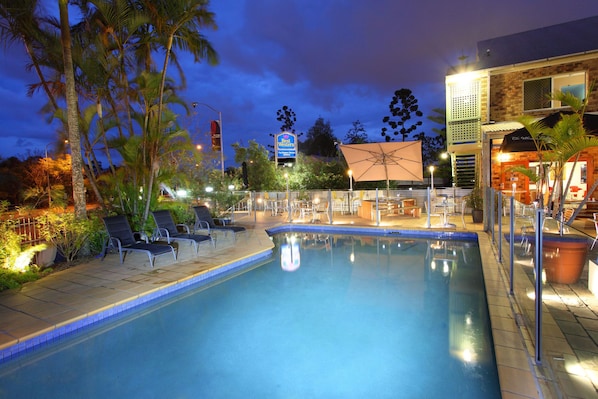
204 221
167 229
121 238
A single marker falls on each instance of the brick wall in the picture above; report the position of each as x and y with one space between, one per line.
506 89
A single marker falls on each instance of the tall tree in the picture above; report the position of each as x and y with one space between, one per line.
177 25
287 116
20 22
72 106
356 134
434 147
403 107
261 172
320 140
439 117
113 42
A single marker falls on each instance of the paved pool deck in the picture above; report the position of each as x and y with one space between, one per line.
88 292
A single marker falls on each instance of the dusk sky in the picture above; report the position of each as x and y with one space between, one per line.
340 60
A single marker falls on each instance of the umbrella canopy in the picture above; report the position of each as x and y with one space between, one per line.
385 161
521 141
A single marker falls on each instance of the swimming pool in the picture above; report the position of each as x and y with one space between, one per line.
359 316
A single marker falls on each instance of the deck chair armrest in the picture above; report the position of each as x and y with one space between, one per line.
114 242
202 225
221 221
163 233
141 236
184 227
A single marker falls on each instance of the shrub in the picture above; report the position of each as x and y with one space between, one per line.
13 255
11 279
181 212
68 233
475 199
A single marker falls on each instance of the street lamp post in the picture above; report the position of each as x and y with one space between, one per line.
195 104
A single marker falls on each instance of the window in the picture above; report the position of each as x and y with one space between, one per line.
536 92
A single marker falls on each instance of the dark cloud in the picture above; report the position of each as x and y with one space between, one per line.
337 59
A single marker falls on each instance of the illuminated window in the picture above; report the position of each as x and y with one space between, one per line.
536 92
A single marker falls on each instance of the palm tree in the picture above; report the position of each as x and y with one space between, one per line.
97 58
20 22
72 106
177 25
157 141
556 146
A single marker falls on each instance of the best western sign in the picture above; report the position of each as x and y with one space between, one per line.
286 145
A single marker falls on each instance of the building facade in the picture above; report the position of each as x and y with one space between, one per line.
515 75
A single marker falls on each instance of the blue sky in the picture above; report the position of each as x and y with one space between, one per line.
340 60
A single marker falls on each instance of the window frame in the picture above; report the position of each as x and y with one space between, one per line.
557 83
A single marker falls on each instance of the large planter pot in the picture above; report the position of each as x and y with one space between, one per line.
46 257
564 257
477 215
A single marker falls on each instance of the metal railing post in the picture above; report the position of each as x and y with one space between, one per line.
499 216
538 269
511 243
429 206
491 191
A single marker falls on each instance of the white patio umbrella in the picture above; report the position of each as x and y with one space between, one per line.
385 161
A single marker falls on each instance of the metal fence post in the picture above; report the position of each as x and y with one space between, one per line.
511 242
538 269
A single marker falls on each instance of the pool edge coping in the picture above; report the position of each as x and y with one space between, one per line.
32 341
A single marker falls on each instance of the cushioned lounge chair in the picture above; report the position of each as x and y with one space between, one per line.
121 238
167 229
204 221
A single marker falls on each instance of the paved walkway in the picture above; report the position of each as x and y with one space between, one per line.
88 292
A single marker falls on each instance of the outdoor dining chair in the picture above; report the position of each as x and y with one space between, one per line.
167 229
433 211
318 210
459 210
204 221
595 238
121 238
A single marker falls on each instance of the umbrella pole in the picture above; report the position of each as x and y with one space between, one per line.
377 209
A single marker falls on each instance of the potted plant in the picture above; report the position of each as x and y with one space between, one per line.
564 255
475 201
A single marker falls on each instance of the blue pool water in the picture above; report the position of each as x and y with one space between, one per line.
330 316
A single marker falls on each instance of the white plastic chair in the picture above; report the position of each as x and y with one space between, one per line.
459 210
318 209
434 211
595 238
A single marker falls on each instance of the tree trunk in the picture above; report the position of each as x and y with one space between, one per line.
72 105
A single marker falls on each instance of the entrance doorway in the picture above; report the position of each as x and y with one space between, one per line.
515 183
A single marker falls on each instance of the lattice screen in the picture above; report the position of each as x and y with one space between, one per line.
463 113
464 100
464 131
